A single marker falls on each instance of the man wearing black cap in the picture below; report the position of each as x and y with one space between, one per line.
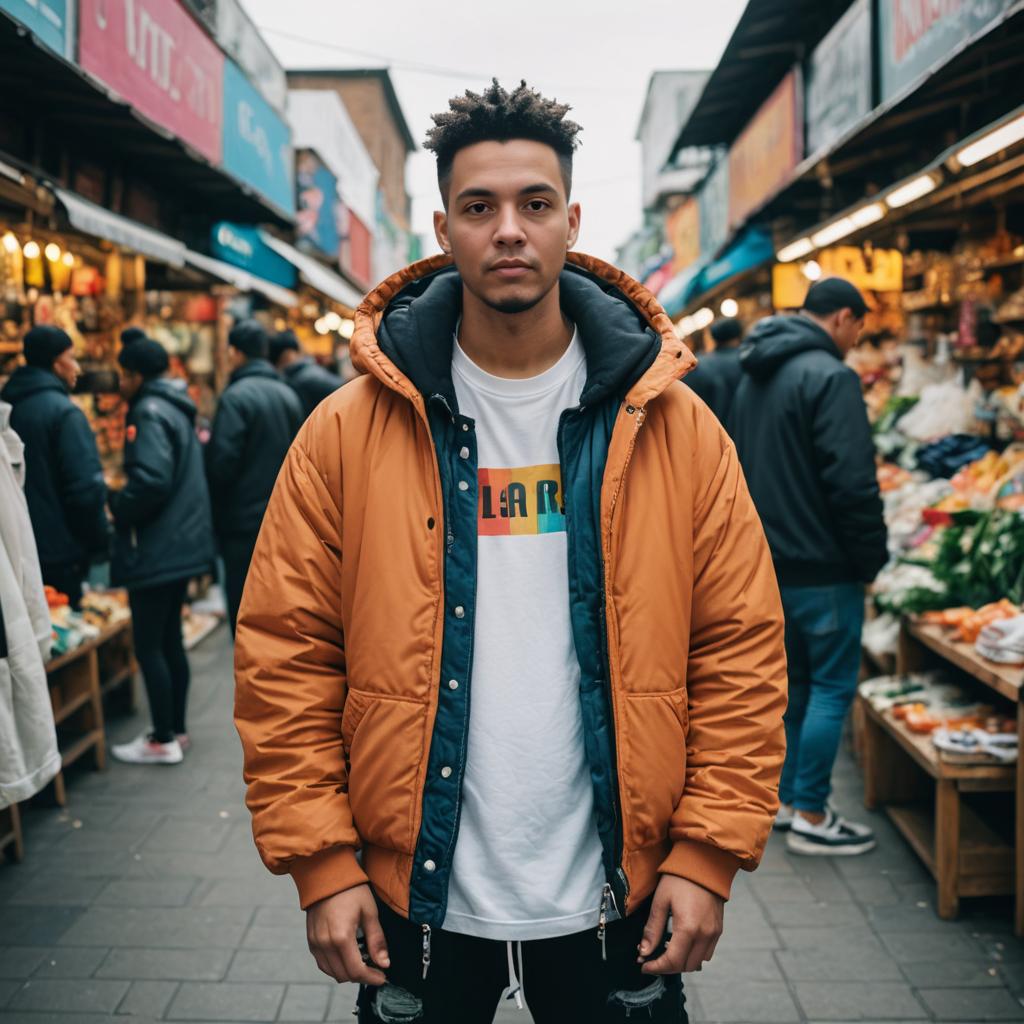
802 433
130 335
64 482
164 537
257 418
310 381
718 373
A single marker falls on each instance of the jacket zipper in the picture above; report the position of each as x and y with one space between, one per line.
426 949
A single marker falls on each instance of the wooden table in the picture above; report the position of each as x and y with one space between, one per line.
966 856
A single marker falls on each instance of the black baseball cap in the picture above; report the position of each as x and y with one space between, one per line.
834 293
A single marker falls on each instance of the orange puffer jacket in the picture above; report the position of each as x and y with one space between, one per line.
353 612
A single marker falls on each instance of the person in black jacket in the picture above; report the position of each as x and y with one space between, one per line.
718 373
801 429
311 382
164 536
64 483
256 420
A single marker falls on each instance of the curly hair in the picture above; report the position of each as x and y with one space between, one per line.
497 115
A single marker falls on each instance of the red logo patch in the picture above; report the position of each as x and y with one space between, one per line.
131 432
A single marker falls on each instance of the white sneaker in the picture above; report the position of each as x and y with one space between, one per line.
834 837
784 818
183 741
145 750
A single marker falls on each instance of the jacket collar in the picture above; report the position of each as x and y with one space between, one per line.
253 368
404 329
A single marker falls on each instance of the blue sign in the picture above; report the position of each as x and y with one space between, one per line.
257 141
48 20
241 246
316 224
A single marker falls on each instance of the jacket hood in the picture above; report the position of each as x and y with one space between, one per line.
405 327
170 390
777 339
28 380
254 368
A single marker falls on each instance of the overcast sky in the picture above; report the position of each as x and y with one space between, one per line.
596 55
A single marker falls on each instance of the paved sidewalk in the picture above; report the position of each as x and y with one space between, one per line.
145 901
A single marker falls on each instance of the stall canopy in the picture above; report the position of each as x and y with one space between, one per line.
314 273
241 279
93 220
749 251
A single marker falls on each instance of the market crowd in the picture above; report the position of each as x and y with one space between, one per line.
181 504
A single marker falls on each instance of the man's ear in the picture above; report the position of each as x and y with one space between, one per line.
441 231
574 225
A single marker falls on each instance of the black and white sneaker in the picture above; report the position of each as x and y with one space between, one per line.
834 837
784 818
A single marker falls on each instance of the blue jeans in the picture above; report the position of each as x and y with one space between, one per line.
823 626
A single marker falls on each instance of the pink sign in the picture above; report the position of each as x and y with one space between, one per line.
157 58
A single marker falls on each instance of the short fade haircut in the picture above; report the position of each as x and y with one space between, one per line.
496 115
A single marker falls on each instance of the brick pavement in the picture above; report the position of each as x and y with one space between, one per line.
145 901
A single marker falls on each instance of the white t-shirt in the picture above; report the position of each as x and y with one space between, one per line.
527 861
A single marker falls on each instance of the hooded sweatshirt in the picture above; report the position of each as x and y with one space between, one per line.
64 483
164 526
801 430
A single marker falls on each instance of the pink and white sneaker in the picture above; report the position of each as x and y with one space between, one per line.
146 750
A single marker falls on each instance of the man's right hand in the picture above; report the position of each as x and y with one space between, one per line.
332 925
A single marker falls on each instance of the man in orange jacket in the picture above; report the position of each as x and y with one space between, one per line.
518 501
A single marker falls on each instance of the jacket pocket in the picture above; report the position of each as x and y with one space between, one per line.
357 704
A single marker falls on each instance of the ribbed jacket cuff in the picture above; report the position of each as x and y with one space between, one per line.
708 866
325 873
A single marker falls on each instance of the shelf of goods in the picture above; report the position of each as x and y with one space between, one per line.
939 805
79 680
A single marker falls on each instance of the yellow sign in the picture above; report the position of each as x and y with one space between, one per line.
877 270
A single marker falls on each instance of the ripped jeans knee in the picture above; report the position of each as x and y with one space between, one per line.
393 1005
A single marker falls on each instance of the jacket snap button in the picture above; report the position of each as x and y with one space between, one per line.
465 426
429 865
430 523
460 612
453 684
446 772
464 453
630 409
463 486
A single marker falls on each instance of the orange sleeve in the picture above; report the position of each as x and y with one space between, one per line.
736 686
290 682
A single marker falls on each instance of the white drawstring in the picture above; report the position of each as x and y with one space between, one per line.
517 986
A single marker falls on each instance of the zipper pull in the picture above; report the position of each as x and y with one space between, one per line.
602 919
426 950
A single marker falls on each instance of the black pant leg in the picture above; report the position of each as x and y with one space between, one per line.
174 652
567 979
237 554
150 609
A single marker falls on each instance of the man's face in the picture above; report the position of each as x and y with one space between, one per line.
236 358
509 223
66 367
130 384
849 328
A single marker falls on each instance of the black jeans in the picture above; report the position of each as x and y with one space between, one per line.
156 627
563 981
236 551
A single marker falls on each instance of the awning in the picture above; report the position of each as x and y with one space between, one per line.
94 220
675 294
315 273
242 279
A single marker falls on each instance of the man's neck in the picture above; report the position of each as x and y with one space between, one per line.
514 345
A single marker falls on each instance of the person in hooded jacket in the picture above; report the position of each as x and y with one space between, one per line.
64 483
802 433
257 418
311 382
164 537
718 373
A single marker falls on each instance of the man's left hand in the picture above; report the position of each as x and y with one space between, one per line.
697 916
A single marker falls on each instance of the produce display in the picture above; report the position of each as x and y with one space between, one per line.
100 609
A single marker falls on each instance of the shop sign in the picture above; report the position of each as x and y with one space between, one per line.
355 255
48 20
682 227
241 246
242 41
257 141
873 270
768 149
316 225
157 58
714 209
839 78
917 36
